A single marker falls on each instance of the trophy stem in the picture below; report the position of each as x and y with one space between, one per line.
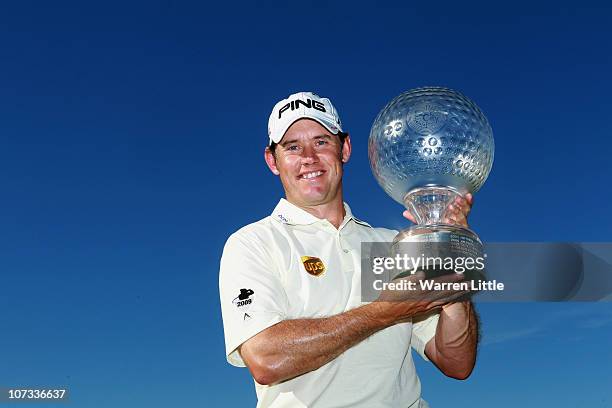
429 205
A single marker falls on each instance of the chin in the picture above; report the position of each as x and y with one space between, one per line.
312 199
315 194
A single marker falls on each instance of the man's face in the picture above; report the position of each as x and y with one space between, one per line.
309 162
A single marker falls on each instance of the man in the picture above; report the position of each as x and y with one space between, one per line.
290 286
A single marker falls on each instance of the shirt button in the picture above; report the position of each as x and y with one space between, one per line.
346 251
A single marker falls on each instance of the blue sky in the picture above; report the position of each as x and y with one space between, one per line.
131 144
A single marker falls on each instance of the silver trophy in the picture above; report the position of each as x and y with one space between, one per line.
426 147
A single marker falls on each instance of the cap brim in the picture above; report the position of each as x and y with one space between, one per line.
331 126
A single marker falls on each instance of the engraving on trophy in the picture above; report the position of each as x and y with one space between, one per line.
394 128
426 118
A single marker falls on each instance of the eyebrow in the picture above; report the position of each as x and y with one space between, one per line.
286 142
323 136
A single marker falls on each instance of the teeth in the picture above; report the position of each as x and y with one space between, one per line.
311 175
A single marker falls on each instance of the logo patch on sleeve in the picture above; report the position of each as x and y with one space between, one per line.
313 265
244 298
243 303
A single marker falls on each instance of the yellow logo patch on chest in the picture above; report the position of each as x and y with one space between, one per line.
313 265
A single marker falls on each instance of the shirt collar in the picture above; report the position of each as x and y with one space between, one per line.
288 213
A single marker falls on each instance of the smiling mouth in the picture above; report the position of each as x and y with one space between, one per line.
310 175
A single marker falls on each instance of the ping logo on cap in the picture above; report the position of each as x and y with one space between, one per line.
313 265
301 105
309 103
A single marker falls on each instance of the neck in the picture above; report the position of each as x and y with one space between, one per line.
332 211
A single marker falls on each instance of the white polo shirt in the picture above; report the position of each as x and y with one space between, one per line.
293 265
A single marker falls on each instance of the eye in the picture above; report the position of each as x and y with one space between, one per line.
321 142
292 148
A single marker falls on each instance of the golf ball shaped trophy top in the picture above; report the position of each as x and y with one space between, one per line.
426 147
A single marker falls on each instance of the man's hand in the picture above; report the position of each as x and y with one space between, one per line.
456 213
398 305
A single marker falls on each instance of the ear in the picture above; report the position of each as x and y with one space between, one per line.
270 161
346 149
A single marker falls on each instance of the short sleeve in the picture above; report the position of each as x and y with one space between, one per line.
251 294
423 330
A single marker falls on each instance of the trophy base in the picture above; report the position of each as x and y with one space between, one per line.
439 249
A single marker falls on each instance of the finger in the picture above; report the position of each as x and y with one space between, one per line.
449 278
459 209
454 278
454 209
447 296
462 205
457 296
470 198
417 276
459 200
408 214
460 218
458 215
456 220
420 276
464 302
433 306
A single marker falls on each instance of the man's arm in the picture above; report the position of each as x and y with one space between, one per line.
294 347
453 349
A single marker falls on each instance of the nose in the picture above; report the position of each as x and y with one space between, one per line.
309 155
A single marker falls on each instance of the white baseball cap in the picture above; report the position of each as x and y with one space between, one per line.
299 106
